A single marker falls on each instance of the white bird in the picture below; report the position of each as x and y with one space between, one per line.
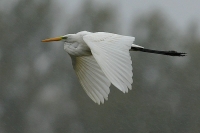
101 58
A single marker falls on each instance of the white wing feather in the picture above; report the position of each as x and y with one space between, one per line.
92 78
111 52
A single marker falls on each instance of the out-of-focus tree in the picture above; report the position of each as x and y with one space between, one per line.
22 63
188 111
36 79
170 95
154 73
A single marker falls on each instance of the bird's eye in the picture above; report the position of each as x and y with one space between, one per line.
64 37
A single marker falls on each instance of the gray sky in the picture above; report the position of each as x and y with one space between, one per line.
181 12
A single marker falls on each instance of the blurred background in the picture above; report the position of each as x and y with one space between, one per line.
40 93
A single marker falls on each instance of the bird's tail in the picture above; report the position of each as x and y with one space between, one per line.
170 53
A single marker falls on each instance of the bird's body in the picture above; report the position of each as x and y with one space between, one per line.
101 58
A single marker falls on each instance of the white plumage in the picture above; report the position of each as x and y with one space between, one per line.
100 59
94 81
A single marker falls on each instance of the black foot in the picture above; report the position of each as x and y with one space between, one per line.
174 53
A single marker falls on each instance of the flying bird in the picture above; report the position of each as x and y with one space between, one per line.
101 59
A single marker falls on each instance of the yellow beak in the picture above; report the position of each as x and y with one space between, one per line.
52 39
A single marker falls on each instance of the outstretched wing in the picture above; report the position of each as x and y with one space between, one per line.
111 52
92 78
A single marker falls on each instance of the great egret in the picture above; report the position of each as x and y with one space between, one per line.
101 58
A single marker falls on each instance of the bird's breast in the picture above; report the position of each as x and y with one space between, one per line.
77 49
